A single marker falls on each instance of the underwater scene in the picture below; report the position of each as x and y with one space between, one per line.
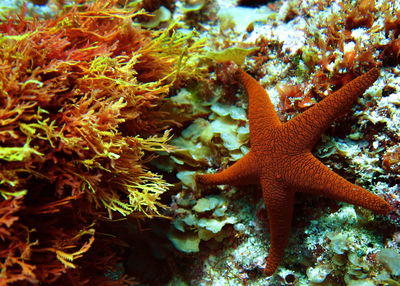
200 142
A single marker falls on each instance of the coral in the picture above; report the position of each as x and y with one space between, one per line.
239 19
225 128
391 259
80 119
318 274
344 254
199 220
237 55
157 17
193 5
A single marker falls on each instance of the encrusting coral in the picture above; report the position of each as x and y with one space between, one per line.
201 220
79 98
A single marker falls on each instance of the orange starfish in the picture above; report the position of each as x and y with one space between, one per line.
280 159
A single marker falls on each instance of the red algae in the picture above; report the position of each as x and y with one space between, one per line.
79 112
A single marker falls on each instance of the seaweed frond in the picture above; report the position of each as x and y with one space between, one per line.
80 119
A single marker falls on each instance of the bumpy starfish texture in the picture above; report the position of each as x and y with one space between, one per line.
280 159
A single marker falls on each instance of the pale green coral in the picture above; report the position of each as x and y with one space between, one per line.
235 54
185 242
200 220
347 246
159 16
193 5
390 258
224 127
319 273
240 18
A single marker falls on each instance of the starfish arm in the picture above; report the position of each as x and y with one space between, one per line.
242 172
310 124
261 113
315 178
279 203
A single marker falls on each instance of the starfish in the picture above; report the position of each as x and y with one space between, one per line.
280 159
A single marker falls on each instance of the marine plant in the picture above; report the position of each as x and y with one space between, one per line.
79 121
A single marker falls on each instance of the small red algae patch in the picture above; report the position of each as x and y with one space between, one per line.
292 98
361 16
391 161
